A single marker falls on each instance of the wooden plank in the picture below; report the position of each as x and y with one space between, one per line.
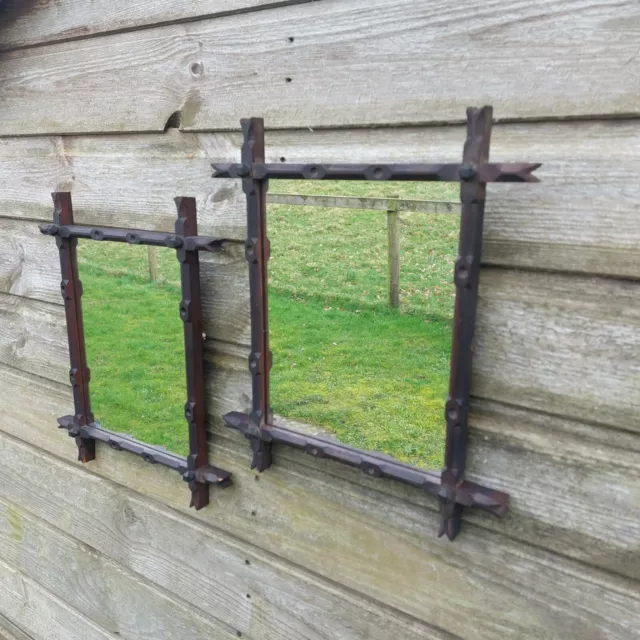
581 218
225 295
179 553
97 587
27 264
33 337
565 345
296 512
271 62
9 631
28 23
574 487
122 181
40 613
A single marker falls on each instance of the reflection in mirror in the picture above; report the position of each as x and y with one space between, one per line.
135 340
347 361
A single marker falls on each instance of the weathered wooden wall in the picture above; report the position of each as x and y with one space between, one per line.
313 550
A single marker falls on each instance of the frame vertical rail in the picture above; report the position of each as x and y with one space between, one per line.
191 314
257 254
71 288
466 278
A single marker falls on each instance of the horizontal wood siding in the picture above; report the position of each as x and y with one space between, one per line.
99 588
39 614
246 589
33 23
9 631
581 218
350 63
294 513
311 549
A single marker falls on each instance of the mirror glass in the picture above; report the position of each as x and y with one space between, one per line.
360 312
135 340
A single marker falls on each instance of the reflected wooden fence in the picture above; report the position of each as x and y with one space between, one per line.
392 205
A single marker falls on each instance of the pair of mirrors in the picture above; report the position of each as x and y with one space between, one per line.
372 337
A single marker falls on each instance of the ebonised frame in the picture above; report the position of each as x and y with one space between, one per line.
450 487
195 468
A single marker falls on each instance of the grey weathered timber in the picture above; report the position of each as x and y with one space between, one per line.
28 24
464 52
99 589
283 602
597 600
41 614
559 501
27 264
562 344
33 337
9 631
364 501
583 220
315 550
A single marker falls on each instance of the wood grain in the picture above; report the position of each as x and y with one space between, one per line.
581 218
246 589
565 345
42 615
9 631
574 487
356 63
576 493
122 181
28 262
33 23
295 512
97 587
33 337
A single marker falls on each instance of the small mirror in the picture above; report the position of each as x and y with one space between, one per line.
361 300
135 340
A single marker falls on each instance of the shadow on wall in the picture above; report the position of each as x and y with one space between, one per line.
11 10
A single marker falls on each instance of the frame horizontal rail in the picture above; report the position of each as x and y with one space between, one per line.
447 172
148 452
134 236
374 464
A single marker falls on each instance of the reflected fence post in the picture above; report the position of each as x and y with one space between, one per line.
152 257
393 232
393 205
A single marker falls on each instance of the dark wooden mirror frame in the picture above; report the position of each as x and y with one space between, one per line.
195 468
475 171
